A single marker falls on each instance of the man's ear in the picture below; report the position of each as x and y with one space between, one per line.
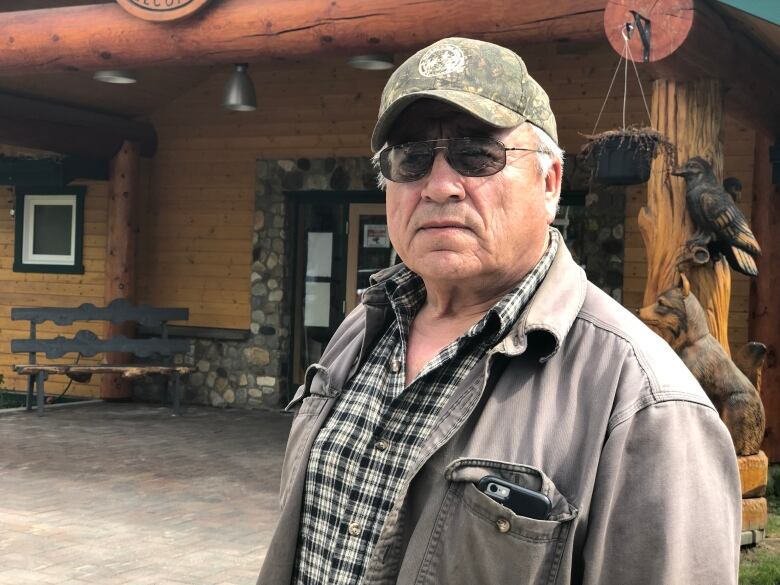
552 189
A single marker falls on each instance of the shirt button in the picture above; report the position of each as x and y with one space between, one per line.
381 445
354 529
503 525
395 366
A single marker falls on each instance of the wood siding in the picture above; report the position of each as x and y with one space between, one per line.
197 195
25 289
197 217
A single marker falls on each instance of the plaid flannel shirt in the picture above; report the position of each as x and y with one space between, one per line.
378 426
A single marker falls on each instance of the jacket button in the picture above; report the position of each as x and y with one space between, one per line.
395 366
381 445
354 529
503 525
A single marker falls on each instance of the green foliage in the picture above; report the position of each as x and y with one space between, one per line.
773 522
773 485
760 567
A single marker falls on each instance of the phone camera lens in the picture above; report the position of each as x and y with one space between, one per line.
493 487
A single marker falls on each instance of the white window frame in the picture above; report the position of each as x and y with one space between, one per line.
30 201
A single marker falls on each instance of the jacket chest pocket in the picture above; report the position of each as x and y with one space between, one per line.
478 540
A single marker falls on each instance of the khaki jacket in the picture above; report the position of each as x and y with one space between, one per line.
585 404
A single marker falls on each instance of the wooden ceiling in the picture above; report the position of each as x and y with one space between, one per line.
155 88
159 86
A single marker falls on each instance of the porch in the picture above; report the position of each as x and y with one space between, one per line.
116 493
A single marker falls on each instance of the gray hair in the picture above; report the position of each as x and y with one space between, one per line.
549 152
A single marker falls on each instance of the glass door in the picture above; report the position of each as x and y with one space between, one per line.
368 248
319 280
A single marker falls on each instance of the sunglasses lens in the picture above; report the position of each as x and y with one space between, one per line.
406 162
476 157
471 157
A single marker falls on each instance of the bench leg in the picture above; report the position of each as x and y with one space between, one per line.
30 388
176 396
40 377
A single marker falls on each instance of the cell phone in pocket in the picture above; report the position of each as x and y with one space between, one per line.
521 500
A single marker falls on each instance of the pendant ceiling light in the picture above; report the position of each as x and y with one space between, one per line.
373 62
239 91
120 76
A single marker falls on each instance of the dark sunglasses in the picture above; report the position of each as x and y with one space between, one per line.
471 157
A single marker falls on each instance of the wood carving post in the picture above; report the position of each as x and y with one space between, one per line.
764 308
120 252
690 114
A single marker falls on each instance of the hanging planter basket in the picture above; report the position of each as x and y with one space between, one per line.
624 157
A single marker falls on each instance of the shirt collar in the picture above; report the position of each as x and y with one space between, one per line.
405 291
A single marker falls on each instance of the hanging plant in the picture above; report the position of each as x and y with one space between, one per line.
624 156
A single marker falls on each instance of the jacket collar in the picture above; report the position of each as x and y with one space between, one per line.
545 321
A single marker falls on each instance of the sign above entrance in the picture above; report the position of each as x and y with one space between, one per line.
162 10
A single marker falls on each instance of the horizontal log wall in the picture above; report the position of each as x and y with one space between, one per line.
19 289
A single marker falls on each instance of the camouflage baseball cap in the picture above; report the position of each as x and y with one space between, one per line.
487 81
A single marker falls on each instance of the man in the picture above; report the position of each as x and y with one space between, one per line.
487 416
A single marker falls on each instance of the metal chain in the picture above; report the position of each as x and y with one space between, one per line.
626 56
639 82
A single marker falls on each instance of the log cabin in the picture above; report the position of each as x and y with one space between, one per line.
266 223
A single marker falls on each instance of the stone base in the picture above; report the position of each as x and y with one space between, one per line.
752 537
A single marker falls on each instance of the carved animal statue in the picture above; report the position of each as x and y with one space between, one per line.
733 187
720 225
678 318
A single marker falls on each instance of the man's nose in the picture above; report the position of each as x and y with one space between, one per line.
443 183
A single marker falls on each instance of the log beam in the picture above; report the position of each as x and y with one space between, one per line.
764 308
691 116
692 39
716 48
123 204
43 125
104 36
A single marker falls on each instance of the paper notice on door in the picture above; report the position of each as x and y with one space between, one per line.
319 254
375 236
316 303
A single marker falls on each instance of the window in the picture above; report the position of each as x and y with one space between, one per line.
49 229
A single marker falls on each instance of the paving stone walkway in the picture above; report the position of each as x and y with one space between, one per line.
113 493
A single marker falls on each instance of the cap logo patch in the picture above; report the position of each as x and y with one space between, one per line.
442 60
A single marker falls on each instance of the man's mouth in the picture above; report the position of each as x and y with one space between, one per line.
442 225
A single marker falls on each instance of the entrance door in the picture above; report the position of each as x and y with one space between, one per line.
338 245
369 248
318 306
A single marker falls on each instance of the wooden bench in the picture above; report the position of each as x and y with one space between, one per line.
86 343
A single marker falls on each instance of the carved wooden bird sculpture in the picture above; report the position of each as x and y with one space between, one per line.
733 187
720 225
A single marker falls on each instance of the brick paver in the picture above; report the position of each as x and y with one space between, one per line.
115 494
